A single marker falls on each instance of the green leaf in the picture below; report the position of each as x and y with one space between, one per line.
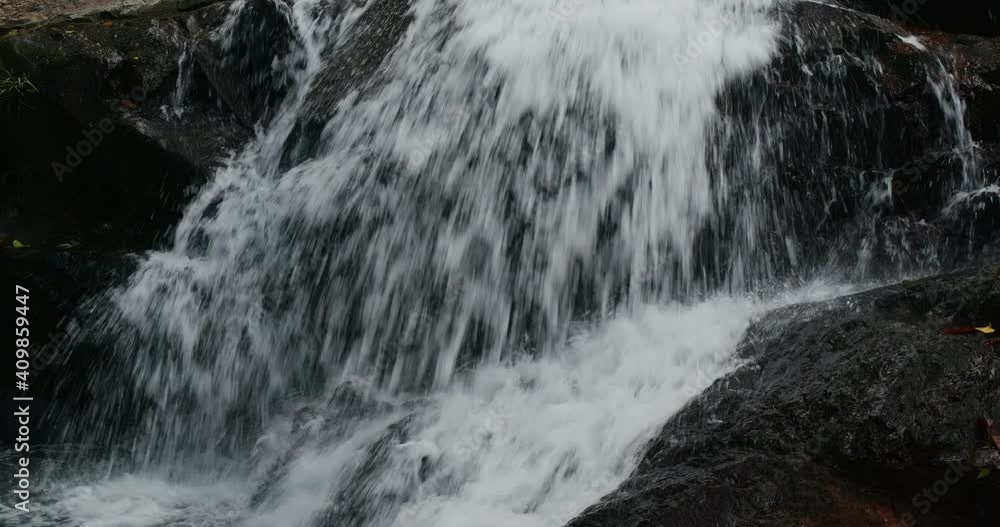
984 473
18 245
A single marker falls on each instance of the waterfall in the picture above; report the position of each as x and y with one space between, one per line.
476 291
518 166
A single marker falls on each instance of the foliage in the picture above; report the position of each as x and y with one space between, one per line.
15 87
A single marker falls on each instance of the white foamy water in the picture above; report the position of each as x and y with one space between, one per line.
128 501
531 443
548 438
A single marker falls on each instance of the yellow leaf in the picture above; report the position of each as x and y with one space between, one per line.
984 473
18 245
986 329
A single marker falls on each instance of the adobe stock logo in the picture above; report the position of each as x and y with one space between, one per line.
94 135
905 11
92 138
561 11
710 34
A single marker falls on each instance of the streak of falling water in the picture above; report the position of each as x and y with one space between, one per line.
183 85
945 88
973 191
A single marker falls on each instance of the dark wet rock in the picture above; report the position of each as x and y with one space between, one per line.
131 114
58 281
253 83
125 70
179 90
970 16
172 92
349 67
27 13
846 412
977 62
857 405
98 140
866 135
369 41
127 108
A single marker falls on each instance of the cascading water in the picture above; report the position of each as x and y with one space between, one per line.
476 299
516 168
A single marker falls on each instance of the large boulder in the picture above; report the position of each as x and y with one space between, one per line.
117 123
57 283
857 411
127 115
252 82
879 136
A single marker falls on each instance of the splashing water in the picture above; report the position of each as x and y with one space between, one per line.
531 443
517 167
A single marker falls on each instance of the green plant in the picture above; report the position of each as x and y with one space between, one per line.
15 87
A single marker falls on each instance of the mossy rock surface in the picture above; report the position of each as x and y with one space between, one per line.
32 13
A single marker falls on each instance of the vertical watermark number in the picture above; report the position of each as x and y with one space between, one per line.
22 402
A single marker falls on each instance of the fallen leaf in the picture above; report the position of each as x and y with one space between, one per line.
984 473
18 245
962 330
107 24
